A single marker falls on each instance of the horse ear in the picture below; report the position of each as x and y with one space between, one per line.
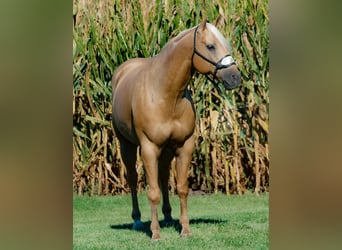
204 23
219 21
215 23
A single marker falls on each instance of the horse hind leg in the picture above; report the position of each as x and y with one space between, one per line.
129 157
164 174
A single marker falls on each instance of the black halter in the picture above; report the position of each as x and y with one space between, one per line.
225 62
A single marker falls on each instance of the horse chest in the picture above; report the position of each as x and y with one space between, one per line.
181 130
171 130
183 122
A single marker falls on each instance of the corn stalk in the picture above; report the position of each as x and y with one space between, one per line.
231 152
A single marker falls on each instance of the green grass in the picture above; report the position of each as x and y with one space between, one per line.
216 221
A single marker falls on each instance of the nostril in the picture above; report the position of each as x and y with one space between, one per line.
235 78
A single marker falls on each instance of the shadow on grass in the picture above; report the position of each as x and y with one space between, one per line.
176 225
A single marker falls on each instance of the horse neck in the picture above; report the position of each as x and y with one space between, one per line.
173 66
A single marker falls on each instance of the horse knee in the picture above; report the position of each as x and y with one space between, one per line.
154 196
182 190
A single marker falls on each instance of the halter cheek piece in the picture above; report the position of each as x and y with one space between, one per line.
224 63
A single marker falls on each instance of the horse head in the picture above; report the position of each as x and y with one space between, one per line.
212 56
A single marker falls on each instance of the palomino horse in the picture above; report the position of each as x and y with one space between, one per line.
153 108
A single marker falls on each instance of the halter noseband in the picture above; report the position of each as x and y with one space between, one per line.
224 63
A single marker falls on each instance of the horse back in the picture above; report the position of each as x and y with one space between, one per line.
128 70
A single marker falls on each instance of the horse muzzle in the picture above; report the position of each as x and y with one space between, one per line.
230 77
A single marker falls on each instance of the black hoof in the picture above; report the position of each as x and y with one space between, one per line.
137 225
168 222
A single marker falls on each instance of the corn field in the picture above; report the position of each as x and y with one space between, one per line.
231 152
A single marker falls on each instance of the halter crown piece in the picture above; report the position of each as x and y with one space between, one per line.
223 63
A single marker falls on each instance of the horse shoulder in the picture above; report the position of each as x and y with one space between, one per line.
184 121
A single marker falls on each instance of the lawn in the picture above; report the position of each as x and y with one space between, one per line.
216 221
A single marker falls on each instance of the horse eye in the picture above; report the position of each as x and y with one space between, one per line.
210 47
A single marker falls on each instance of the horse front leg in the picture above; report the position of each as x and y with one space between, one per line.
183 159
150 154
164 174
